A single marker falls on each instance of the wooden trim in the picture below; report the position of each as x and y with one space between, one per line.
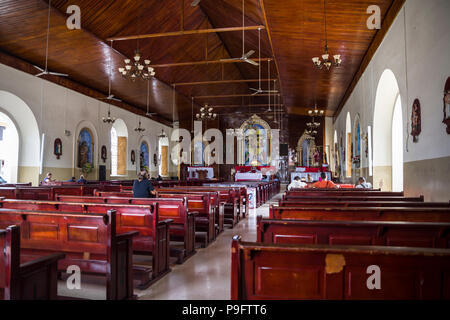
184 33
246 105
196 63
200 83
236 95
391 14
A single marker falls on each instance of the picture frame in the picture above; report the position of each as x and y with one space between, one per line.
104 154
446 101
133 157
416 122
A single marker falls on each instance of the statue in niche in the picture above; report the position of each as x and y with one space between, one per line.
83 154
416 126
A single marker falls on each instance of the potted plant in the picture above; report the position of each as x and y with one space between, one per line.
87 168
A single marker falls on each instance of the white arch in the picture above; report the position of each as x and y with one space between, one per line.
29 138
386 96
348 156
9 149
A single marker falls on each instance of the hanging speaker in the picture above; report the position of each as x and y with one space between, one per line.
284 149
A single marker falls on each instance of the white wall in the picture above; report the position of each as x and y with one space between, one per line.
65 109
421 71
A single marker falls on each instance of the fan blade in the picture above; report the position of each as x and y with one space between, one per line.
251 62
254 89
115 99
58 74
40 74
40 69
195 3
255 93
248 54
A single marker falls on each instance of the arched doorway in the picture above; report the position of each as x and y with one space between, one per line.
387 144
305 148
29 142
163 147
9 150
348 146
119 137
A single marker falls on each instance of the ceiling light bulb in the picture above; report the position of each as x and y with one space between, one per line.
140 67
127 61
325 56
128 67
147 61
121 70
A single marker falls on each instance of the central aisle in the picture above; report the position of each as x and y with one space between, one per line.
206 275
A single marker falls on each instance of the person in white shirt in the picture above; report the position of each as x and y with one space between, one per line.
297 184
362 184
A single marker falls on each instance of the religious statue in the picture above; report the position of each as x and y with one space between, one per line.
316 156
83 154
446 120
416 126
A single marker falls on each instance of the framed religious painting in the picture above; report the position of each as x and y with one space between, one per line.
446 120
57 148
416 122
133 157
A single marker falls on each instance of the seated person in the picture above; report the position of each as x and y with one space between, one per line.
72 180
362 184
82 180
324 183
48 179
265 178
142 187
297 184
158 178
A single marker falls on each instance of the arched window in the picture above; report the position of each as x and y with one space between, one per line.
397 147
144 156
85 148
9 150
119 136
348 149
356 157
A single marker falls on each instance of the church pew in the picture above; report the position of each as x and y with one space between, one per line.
205 220
8 192
412 214
89 241
33 280
377 233
337 192
353 198
313 272
229 199
357 203
182 227
152 238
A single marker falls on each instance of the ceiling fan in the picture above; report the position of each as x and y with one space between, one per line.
110 96
259 90
45 71
245 56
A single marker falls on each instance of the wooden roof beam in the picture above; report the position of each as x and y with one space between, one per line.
236 95
196 63
201 83
184 33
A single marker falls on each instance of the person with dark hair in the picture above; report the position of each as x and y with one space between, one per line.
324 183
72 180
159 178
142 187
362 184
297 184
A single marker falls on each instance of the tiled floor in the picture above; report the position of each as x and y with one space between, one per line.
205 276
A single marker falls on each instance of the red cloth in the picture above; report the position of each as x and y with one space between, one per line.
249 168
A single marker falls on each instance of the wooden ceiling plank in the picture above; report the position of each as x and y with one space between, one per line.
196 63
201 83
237 95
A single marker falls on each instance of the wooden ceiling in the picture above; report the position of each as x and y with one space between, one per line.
293 34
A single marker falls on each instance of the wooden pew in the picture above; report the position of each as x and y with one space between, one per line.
326 203
33 280
152 233
378 233
346 192
182 227
270 271
412 214
352 198
89 241
200 203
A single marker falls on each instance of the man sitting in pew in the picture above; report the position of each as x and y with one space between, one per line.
82 180
323 183
297 184
362 184
142 187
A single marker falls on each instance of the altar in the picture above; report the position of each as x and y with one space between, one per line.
310 174
201 173
249 173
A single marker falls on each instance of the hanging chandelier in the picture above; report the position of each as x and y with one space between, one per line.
326 56
312 127
135 69
206 113
162 134
109 119
315 111
139 129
